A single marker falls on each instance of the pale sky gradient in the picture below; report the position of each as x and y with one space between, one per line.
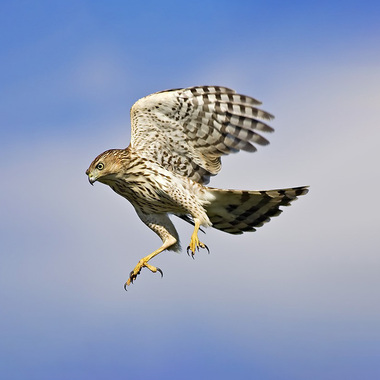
298 299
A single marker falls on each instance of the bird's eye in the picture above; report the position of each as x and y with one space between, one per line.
100 166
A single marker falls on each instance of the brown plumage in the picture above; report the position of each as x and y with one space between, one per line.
178 138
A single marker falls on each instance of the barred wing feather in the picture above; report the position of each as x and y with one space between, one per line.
188 130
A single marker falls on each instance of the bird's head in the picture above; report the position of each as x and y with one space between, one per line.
106 167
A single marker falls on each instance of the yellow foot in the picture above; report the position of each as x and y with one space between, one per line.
195 244
141 264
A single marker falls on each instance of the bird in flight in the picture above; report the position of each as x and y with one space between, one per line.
177 140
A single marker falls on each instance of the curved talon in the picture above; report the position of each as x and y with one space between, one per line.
190 252
161 272
201 245
132 277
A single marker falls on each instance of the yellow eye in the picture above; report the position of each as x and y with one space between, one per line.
100 166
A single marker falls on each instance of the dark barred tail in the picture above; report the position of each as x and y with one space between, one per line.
238 211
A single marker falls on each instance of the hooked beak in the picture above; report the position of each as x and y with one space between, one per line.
90 178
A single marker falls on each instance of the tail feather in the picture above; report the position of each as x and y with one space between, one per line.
238 211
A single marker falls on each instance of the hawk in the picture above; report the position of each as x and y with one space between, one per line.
177 140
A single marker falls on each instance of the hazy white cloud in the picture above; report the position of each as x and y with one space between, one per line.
96 73
334 220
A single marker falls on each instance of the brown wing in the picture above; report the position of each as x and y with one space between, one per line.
188 130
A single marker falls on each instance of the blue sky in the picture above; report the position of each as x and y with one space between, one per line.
297 299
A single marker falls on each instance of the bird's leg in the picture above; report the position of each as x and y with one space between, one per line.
144 262
194 241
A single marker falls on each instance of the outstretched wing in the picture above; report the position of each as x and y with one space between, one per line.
188 130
